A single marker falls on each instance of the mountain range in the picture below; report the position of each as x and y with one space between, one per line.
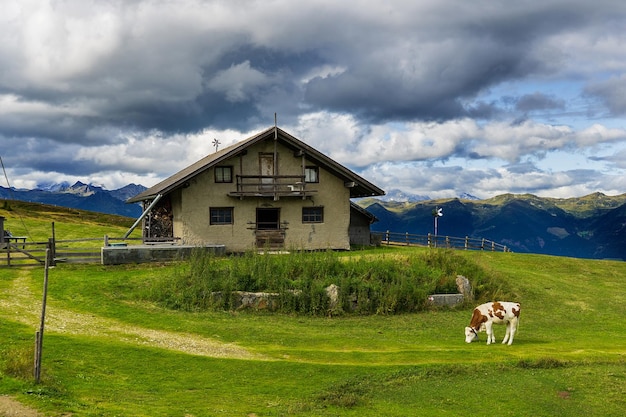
593 226
80 196
404 197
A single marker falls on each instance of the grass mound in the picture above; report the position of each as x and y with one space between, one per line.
368 284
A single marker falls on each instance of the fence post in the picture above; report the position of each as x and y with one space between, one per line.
482 244
408 243
39 334
466 242
51 253
429 241
387 237
493 246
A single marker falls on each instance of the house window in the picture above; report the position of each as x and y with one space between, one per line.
312 214
224 174
311 174
221 215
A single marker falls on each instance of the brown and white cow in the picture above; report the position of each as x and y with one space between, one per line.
499 312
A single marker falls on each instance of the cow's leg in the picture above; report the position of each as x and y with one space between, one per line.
508 332
513 330
489 331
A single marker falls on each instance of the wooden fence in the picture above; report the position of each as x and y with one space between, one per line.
23 253
436 241
88 250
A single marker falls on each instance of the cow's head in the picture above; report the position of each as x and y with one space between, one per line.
470 335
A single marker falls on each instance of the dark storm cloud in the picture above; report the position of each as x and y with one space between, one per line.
418 62
43 156
433 90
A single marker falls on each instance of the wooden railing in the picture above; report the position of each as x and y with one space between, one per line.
275 186
438 241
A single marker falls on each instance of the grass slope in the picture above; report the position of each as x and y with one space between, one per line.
35 220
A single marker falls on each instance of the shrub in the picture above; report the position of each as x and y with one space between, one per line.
368 284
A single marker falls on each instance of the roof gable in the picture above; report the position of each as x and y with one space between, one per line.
360 186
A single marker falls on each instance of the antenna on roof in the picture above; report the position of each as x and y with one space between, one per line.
216 143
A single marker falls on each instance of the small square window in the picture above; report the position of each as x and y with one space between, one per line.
221 215
312 214
224 174
311 174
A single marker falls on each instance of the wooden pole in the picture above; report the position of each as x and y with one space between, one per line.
53 248
39 334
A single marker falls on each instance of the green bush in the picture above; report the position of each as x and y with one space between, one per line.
368 284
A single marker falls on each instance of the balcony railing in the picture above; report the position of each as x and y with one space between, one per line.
275 186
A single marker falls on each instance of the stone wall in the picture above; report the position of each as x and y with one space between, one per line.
270 301
115 255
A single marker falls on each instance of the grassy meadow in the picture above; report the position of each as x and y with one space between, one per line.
110 351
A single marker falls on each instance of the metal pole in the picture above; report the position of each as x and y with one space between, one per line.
146 211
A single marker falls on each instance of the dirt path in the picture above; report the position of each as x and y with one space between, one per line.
20 305
11 408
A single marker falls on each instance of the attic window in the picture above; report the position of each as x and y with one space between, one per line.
311 174
224 174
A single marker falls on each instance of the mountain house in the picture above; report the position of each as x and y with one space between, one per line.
268 191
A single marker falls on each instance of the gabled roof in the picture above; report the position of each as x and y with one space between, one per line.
361 188
363 212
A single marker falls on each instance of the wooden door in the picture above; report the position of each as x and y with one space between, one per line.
266 165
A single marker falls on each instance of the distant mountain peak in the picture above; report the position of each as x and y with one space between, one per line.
468 196
82 189
400 196
53 187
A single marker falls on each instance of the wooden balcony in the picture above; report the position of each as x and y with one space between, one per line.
272 186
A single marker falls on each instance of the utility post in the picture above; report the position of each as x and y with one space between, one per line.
437 212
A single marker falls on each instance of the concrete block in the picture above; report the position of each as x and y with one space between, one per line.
449 300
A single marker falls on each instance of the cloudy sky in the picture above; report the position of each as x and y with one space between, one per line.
433 97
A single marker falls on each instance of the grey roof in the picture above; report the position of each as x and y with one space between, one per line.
362 188
363 212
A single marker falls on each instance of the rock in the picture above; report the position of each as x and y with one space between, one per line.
464 287
332 291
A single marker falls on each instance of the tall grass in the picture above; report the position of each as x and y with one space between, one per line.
367 284
17 361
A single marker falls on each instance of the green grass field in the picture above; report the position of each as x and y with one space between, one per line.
109 353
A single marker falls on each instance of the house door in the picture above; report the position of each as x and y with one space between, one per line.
267 219
268 232
266 164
